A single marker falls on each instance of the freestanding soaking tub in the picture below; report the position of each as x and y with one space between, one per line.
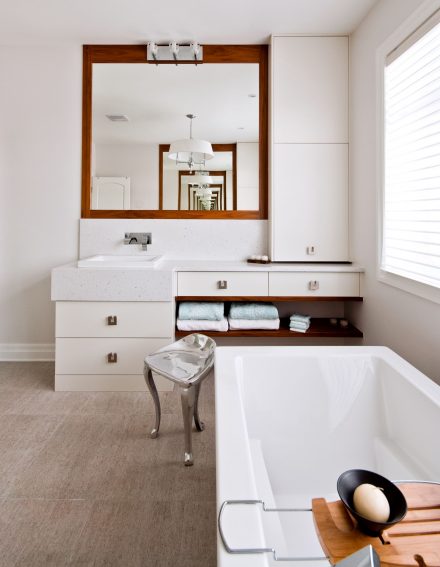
290 420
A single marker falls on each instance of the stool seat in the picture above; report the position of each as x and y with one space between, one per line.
186 362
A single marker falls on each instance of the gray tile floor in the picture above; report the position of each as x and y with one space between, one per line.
81 482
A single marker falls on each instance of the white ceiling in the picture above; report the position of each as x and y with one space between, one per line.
207 21
156 99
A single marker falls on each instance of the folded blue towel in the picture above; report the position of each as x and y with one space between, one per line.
194 310
299 325
298 330
299 317
253 311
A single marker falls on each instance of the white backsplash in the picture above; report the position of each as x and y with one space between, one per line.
189 239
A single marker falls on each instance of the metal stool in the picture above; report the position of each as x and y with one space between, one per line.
186 362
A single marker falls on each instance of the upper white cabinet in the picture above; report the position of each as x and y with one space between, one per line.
309 149
310 89
311 204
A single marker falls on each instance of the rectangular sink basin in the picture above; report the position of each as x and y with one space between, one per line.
123 262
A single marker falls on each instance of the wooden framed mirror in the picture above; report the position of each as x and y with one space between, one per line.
132 109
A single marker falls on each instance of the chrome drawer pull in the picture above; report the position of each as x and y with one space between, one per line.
112 357
313 285
222 284
112 320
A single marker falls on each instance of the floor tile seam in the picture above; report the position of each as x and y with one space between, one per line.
209 503
41 498
77 545
80 413
37 453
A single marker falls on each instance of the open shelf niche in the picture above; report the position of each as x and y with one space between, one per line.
319 326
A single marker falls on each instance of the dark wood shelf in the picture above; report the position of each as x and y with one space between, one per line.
265 298
319 327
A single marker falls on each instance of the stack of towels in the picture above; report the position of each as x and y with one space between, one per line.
253 316
201 316
299 323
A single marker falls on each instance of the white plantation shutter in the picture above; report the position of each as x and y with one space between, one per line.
411 213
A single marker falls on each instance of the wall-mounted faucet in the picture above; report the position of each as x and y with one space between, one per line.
142 238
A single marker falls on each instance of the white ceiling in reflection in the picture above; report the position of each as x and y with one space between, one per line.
156 100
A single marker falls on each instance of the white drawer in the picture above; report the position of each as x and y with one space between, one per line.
222 283
89 356
130 318
314 284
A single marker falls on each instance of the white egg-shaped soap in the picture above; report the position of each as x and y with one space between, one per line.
371 503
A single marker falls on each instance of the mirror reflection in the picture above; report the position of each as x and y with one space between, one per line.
139 111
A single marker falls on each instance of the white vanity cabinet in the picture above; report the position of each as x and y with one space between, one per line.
101 345
309 149
222 284
283 286
314 284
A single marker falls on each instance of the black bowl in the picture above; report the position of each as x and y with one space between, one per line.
350 480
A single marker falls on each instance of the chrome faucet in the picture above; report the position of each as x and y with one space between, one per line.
142 238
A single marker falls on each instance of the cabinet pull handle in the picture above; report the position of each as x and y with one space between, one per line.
112 320
310 250
222 284
112 357
313 285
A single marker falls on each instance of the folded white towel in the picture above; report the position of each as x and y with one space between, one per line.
298 330
202 325
253 324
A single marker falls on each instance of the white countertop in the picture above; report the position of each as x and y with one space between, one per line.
243 266
70 283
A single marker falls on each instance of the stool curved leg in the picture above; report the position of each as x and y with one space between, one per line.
148 375
200 426
187 398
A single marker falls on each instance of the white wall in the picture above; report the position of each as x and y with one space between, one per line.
40 166
247 176
404 322
229 191
140 162
170 182
40 186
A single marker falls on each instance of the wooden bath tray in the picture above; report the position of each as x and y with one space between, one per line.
413 542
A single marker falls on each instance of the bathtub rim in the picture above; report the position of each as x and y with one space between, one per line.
234 469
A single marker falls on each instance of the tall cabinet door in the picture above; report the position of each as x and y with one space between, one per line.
309 164
310 211
310 90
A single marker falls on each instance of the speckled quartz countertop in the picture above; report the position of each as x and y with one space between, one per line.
243 266
70 283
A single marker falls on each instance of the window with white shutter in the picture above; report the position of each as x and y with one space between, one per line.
411 195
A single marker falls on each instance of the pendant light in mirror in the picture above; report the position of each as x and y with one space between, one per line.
190 151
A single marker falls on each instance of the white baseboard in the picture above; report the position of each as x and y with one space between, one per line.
27 351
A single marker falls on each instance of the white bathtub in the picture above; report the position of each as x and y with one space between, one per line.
290 420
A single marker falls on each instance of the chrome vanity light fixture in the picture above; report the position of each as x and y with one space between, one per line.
174 48
173 51
190 151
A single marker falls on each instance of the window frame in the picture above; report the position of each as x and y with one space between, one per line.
402 33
